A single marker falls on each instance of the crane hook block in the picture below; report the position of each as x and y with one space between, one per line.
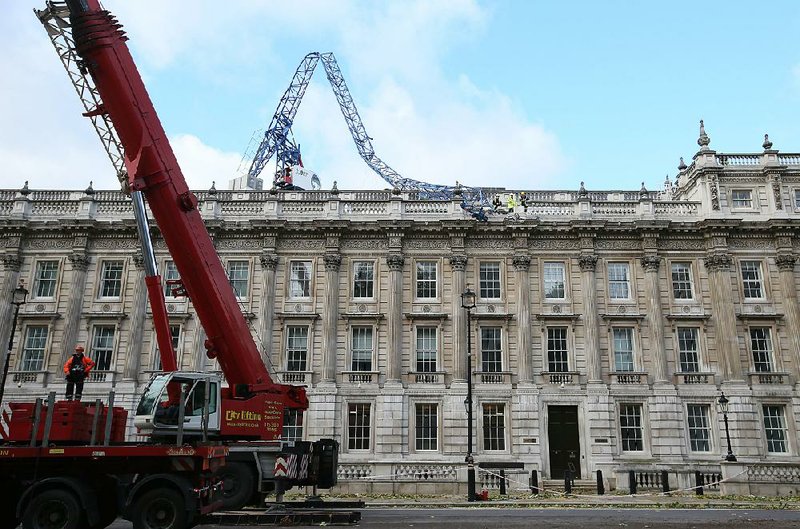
187 201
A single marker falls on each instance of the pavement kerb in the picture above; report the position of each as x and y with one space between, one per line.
625 502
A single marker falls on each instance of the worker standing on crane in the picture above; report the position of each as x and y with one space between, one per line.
76 369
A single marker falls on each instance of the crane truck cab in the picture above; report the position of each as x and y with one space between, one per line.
158 411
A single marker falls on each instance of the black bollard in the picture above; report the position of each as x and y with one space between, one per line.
632 481
503 482
601 488
664 481
534 482
698 483
568 481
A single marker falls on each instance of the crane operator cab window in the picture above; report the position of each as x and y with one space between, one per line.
162 399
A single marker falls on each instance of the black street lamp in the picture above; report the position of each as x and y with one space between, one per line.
18 298
723 405
468 303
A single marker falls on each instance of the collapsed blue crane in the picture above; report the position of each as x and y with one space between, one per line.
277 140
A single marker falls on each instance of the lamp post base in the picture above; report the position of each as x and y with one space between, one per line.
471 483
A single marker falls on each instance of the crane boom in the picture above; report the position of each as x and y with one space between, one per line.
276 138
153 170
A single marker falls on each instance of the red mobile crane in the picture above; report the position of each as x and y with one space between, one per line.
243 421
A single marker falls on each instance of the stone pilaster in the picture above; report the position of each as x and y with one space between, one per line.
333 262
80 263
269 263
395 263
588 262
138 314
718 265
11 265
459 264
201 360
786 263
651 264
521 265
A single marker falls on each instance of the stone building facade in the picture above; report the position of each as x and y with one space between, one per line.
607 323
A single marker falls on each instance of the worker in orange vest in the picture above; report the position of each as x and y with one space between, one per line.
76 369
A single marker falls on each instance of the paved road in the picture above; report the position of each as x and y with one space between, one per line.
491 518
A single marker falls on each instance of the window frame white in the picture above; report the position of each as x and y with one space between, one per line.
709 432
747 284
352 343
369 284
170 274
698 348
419 432
562 265
435 340
418 281
103 354
770 352
486 430
37 279
102 279
787 434
370 429
641 426
625 283
547 351
289 350
633 345
25 348
749 202
292 280
500 351
234 281
492 284
689 279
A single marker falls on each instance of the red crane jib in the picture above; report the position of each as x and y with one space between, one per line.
153 169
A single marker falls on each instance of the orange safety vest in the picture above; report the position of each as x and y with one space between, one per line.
88 364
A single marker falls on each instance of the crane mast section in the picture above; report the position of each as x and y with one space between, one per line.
153 170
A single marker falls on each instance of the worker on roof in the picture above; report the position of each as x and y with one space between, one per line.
76 369
511 203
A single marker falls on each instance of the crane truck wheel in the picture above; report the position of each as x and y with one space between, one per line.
52 509
238 485
159 508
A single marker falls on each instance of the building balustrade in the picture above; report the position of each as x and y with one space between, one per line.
560 377
427 377
767 378
97 375
629 377
494 377
360 377
295 377
694 378
33 378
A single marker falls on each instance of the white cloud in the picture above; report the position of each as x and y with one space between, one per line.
202 164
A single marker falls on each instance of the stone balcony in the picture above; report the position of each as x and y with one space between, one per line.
628 377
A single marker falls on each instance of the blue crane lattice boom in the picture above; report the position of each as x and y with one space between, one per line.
276 139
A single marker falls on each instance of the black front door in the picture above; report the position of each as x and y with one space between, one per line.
565 445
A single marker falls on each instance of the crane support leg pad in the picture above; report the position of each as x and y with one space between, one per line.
284 517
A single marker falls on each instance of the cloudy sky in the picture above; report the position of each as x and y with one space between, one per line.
514 93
